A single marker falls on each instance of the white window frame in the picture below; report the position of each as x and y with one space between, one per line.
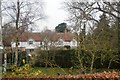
30 41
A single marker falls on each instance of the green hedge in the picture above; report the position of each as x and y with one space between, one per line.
69 58
61 58
64 58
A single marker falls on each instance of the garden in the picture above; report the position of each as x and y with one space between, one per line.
65 64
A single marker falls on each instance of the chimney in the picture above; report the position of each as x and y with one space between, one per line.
65 30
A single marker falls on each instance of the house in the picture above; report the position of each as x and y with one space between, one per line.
27 40
67 40
46 40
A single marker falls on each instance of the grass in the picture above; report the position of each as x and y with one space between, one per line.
55 71
50 71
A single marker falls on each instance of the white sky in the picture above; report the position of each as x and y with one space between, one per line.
55 14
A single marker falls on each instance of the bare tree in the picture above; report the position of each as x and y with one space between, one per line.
110 8
85 17
30 12
22 15
89 11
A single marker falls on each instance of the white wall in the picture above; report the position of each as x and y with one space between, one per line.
26 45
72 44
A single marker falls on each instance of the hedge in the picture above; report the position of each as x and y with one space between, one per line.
69 58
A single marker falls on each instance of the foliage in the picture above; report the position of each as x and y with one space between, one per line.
64 58
61 58
22 55
61 27
21 71
72 58
99 37
112 75
24 71
8 31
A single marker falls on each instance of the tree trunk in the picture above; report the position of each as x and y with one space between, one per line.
17 39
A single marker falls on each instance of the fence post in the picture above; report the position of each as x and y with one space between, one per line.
5 61
26 57
12 57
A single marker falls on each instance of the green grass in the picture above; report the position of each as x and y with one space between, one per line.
39 71
50 71
55 71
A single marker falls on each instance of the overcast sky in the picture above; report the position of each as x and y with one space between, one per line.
53 10
55 14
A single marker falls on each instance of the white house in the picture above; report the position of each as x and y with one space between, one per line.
31 41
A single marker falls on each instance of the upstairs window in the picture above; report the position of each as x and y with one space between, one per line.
73 42
30 42
60 42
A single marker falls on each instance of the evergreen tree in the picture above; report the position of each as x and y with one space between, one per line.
102 33
61 27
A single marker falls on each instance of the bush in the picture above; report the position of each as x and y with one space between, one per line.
62 58
69 58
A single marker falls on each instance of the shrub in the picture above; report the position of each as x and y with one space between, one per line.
69 58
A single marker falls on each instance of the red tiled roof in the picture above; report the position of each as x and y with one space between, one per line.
23 37
64 36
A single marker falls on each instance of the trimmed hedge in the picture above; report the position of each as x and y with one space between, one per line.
64 58
69 58
61 58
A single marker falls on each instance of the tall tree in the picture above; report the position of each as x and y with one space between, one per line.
30 12
22 15
61 27
89 11
98 34
102 33
7 34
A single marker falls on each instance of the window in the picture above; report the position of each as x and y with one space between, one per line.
31 50
73 42
60 42
30 42
40 43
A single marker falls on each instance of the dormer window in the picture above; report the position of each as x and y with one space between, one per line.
30 42
60 42
73 41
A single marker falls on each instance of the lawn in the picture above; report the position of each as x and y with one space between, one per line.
48 71
55 71
62 73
